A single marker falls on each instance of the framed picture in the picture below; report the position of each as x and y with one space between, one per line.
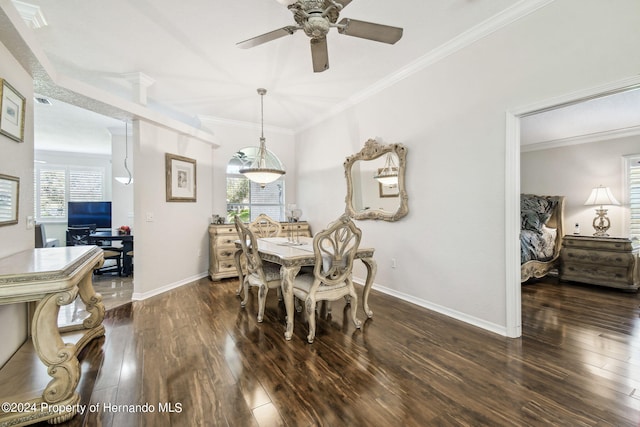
12 106
181 178
390 190
9 199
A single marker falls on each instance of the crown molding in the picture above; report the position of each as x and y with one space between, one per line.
467 38
582 139
31 14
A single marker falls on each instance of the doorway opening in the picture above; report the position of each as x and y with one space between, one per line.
512 186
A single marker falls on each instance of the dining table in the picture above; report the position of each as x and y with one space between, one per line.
292 256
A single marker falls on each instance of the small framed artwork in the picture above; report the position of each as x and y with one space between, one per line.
9 199
181 178
12 106
388 190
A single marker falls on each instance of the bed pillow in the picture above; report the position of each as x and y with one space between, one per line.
535 211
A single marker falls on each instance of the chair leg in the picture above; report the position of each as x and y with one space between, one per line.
262 300
245 284
310 304
354 309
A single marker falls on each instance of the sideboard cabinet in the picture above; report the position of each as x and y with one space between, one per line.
604 261
222 247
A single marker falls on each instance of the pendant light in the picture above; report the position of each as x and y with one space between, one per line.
266 167
388 175
123 179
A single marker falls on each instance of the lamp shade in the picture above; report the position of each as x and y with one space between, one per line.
388 175
601 196
260 165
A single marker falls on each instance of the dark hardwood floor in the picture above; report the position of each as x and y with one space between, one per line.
195 351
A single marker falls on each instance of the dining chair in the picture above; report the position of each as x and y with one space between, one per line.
262 226
265 226
334 249
263 275
79 236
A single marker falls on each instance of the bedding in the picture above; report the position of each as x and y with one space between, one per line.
536 239
541 231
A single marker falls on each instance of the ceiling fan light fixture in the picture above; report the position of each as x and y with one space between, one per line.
266 167
316 18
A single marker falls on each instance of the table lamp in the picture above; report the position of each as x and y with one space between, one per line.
601 196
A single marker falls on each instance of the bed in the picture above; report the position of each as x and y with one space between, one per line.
541 231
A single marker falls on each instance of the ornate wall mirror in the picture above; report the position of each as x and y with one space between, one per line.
375 182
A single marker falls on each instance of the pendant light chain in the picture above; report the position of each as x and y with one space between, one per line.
126 151
261 114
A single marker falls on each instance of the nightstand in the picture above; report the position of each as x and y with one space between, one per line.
604 261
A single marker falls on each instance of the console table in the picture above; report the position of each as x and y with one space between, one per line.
49 278
604 261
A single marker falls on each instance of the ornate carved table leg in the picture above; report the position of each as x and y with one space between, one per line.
59 358
372 268
288 275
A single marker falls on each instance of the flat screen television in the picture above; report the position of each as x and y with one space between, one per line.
85 213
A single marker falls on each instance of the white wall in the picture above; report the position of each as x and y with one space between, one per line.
171 249
16 159
451 116
573 171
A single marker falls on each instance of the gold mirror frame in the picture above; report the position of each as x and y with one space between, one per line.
371 151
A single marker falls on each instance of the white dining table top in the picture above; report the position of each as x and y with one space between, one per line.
282 251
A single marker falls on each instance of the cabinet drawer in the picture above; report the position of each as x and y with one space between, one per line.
225 253
226 240
615 259
227 229
301 229
596 274
606 244
227 266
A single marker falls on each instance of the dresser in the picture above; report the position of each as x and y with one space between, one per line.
222 247
604 261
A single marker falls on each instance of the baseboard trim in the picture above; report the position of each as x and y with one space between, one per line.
474 321
139 296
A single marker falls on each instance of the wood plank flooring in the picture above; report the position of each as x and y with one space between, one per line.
196 350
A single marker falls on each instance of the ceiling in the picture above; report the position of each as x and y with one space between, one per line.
187 51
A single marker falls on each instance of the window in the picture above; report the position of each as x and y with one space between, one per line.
246 199
633 187
55 185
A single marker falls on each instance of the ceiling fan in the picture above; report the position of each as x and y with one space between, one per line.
316 18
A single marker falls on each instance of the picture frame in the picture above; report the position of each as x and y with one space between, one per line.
9 199
388 190
12 109
180 178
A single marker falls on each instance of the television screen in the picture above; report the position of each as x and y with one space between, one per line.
86 213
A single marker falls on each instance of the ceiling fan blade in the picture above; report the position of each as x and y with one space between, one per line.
319 55
370 31
267 37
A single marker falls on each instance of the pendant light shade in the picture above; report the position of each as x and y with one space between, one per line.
266 167
388 175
